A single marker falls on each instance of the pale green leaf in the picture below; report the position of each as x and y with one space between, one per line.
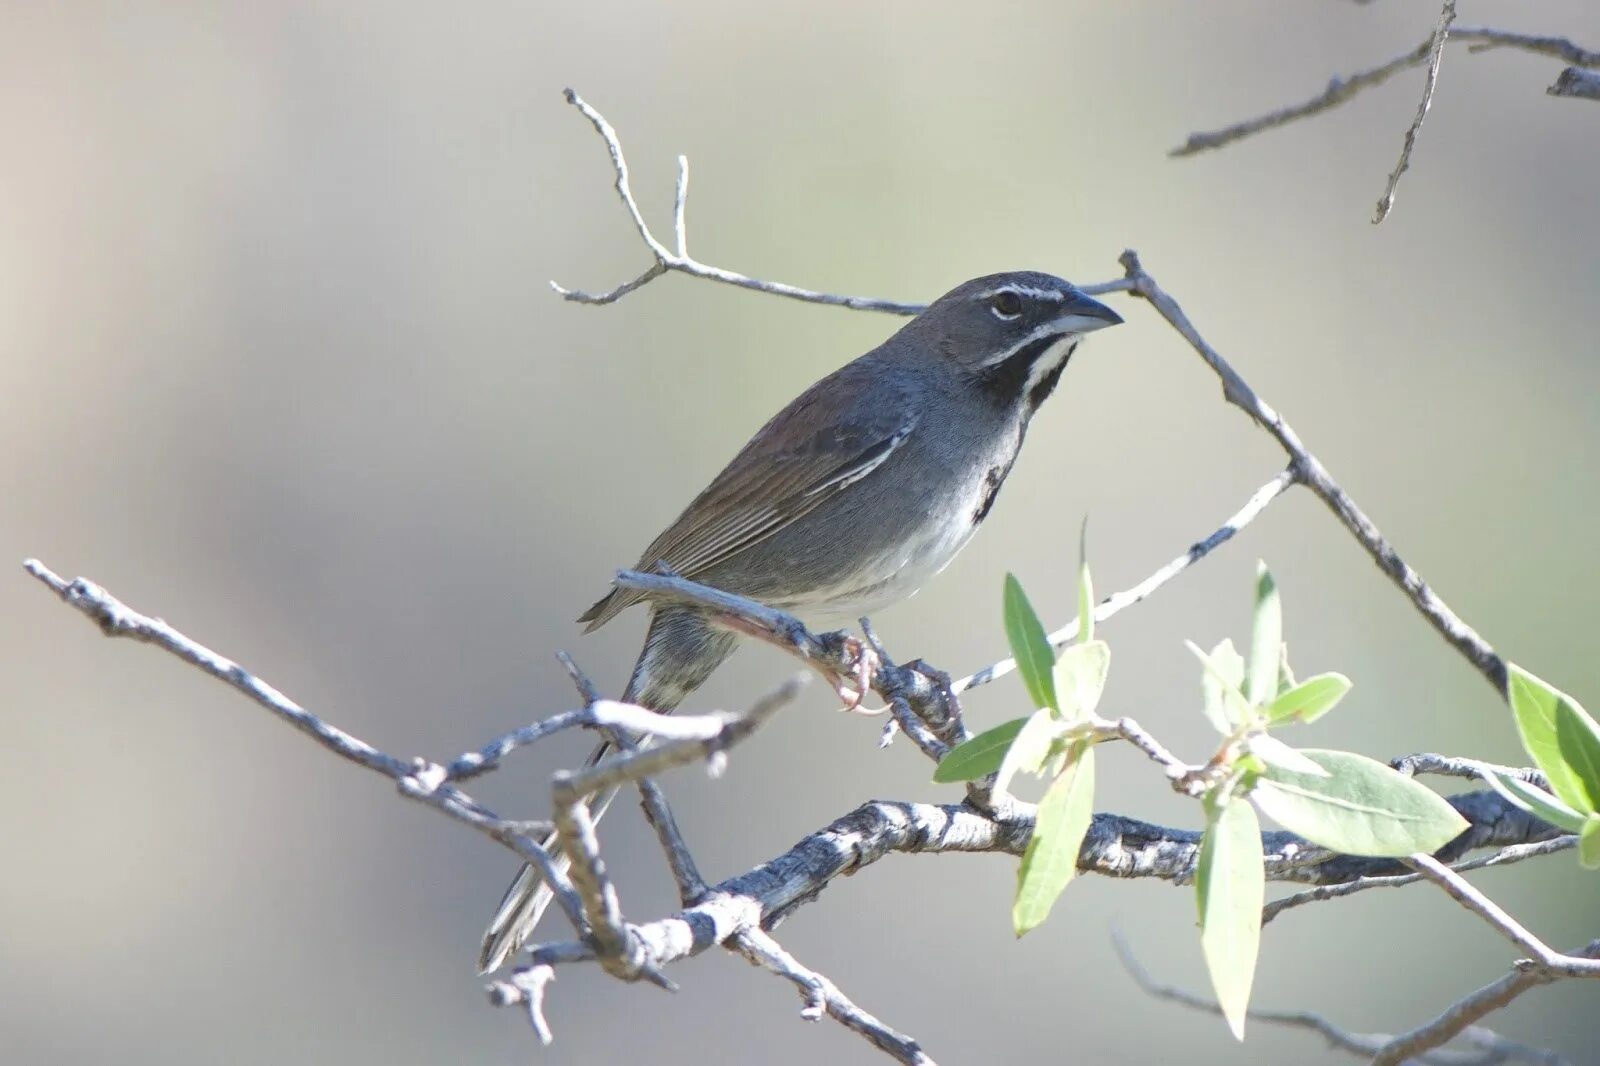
1030 750
979 755
1579 740
1589 843
1274 752
1266 640
1285 674
1534 705
1219 685
1028 645
1080 677
1059 826
1085 593
1309 700
1536 801
1362 808
1230 886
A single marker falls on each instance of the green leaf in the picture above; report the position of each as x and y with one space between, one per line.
1578 738
1362 808
979 755
1285 674
1028 645
1535 704
1536 801
1080 677
1219 685
1274 752
1589 843
1266 639
1059 826
1030 750
1085 590
1309 700
1230 886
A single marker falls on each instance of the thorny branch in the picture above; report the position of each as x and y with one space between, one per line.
738 913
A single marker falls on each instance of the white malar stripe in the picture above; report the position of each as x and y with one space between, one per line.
1050 361
1068 326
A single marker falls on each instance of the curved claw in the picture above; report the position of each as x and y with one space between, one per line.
864 663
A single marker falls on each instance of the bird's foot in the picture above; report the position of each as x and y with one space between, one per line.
853 683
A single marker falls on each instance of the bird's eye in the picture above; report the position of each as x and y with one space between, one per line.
1006 304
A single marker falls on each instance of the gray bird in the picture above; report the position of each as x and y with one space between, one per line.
864 487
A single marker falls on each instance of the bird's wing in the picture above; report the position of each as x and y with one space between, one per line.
788 468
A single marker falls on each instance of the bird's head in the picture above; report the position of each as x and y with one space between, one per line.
1012 332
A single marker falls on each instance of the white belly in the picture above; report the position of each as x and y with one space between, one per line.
889 577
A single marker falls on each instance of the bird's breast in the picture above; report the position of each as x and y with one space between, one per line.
898 555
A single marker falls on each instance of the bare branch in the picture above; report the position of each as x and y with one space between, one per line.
1340 90
419 780
1473 769
656 809
1483 39
681 262
823 996
525 988
1463 892
1115 846
1505 856
618 952
1490 1047
1116 603
1465 1011
1315 476
1447 15
1577 83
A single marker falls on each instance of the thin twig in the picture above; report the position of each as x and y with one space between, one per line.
1118 602
526 988
1340 90
619 952
657 811
1491 1048
1428 762
1441 32
679 261
1505 856
1315 476
823 996
419 780
1577 83
1461 1014
1500 920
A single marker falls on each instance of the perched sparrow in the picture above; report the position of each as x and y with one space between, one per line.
852 496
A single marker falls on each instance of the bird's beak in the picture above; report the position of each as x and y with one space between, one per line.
1084 314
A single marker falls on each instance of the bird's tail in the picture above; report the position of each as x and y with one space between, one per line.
681 649
529 897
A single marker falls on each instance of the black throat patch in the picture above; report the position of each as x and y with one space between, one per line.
1005 381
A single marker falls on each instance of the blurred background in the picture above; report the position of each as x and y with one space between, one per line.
279 363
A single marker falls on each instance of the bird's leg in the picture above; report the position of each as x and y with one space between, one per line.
851 685
862 662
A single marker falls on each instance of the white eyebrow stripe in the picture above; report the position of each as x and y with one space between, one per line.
1022 290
